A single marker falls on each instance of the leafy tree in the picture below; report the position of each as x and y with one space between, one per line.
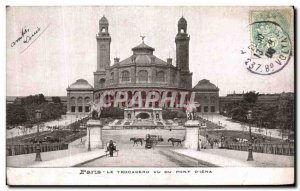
113 112
251 97
33 99
23 111
15 114
279 115
169 114
239 113
181 114
56 99
263 115
285 115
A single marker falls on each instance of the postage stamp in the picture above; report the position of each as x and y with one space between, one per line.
271 38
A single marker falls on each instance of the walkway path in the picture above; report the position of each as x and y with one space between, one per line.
136 156
76 154
29 159
230 125
21 130
232 158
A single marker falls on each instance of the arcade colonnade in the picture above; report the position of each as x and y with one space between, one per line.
131 114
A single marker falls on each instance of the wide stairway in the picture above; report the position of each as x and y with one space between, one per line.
143 122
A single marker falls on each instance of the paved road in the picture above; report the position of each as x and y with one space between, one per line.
137 156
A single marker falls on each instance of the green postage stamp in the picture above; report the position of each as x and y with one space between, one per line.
271 38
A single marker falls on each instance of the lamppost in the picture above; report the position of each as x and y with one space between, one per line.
80 133
59 133
12 138
38 115
89 144
250 155
81 126
198 145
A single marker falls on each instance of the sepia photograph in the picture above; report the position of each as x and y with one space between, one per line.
163 95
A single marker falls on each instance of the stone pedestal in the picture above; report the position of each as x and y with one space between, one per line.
191 134
94 134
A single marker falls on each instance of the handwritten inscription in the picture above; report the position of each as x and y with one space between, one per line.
26 36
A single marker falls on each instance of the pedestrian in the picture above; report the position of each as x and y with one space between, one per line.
200 143
211 144
111 148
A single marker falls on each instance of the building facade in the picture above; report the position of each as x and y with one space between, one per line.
79 96
142 69
141 72
207 96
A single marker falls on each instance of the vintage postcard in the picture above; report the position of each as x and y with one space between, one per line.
141 95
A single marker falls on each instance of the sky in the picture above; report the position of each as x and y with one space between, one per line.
64 48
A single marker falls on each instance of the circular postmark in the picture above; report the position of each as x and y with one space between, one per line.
270 48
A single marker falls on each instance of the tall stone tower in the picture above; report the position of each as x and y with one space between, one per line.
103 53
182 54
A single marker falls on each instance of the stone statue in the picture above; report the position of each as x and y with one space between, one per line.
190 111
95 110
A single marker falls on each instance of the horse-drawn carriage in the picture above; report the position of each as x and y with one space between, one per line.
149 144
152 140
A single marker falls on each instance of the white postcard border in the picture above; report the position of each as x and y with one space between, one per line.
150 176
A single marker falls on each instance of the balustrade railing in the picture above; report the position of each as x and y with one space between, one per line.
21 149
269 148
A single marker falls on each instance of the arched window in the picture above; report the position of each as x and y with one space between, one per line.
73 104
73 101
205 100
112 77
87 100
212 99
79 101
125 76
103 30
182 31
102 83
160 76
143 76
79 104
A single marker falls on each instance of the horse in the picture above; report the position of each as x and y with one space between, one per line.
174 140
136 140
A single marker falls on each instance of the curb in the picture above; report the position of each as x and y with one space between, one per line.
208 164
90 160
